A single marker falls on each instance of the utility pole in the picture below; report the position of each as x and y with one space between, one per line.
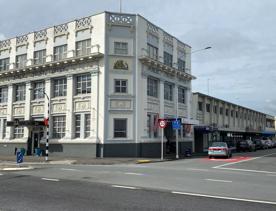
120 6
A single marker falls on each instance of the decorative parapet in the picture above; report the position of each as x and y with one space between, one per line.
5 44
22 40
61 30
83 23
40 35
121 19
152 29
181 46
168 38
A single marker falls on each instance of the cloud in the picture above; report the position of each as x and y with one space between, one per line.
2 37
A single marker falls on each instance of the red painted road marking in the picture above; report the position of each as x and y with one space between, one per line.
233 159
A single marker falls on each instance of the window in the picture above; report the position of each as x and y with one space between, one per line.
84 84
60 52
168 91
21 61
152 52
181 95
152 87
83 47
200 108
221 110
121 48
20 92
227 112
87 125
3 94
58 126
77 125
40 57
4 64
149 125
60 87
215 109
232 113
181 65
18 131
4 127
120 128
39 89
152 125
208 106
168 59
120 86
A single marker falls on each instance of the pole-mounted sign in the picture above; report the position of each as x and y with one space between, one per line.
162 125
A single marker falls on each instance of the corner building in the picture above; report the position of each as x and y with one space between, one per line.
108 77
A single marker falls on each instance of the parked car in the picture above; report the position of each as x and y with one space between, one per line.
264 144
219 149
269 143
258 144
274 143
246 145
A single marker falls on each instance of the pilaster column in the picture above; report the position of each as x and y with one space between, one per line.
71 46
161 98
69 107
50 45
12 53
9 130
27 108
30 49
94 126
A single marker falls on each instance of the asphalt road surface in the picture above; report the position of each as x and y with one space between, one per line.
245 182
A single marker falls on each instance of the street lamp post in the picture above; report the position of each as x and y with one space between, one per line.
46 121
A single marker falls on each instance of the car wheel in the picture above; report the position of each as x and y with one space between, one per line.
210 157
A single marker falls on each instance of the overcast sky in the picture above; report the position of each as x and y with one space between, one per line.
240 67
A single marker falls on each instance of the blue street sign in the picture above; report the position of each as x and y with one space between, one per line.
176 124
19 157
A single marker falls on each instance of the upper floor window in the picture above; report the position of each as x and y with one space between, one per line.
232 113
200 106
3 94
20 92
40 57
84 84
152 52
168 59
21 61
215 109
181 95
83 47
181 65
60 52
168 91
221 110
120 86
152 87
60 87
121 48
39 88
4 64
226 112
208 106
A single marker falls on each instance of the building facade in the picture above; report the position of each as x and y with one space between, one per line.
220 120
105 80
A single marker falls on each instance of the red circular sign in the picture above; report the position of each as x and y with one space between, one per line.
162 123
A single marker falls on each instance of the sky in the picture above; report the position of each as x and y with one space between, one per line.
241 65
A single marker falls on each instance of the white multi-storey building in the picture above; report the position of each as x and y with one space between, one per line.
107 79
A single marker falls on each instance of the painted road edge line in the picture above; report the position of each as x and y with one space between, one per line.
218 180
132 173
248 170
50 179
67 169
125 187
224 197
227 164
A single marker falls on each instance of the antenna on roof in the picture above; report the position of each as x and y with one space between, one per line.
120 6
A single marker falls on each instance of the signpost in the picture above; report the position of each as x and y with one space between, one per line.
19 157
176 125
162 125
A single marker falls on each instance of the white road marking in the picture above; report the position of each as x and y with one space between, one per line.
223 197
1 174
132 173
217 180
17 168
50 179
125 187
241 161
249 170
65 169
195 169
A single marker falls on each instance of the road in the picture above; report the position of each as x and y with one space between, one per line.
246 182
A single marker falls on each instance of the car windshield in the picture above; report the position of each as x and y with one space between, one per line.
219 144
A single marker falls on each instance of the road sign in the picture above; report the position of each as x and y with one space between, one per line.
19 157
162 123
176 124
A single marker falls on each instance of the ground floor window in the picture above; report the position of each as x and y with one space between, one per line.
3 126
152 125
59 123
82 125
18 131
120 128
87 125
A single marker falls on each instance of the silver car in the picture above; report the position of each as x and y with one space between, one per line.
219 149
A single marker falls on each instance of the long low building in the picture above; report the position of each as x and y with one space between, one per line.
104 79
220 120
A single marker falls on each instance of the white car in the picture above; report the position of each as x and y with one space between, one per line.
219 149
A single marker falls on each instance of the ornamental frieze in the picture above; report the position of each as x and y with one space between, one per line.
58 108
120 65
3 112
120 104
18 111
82 106
38 109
